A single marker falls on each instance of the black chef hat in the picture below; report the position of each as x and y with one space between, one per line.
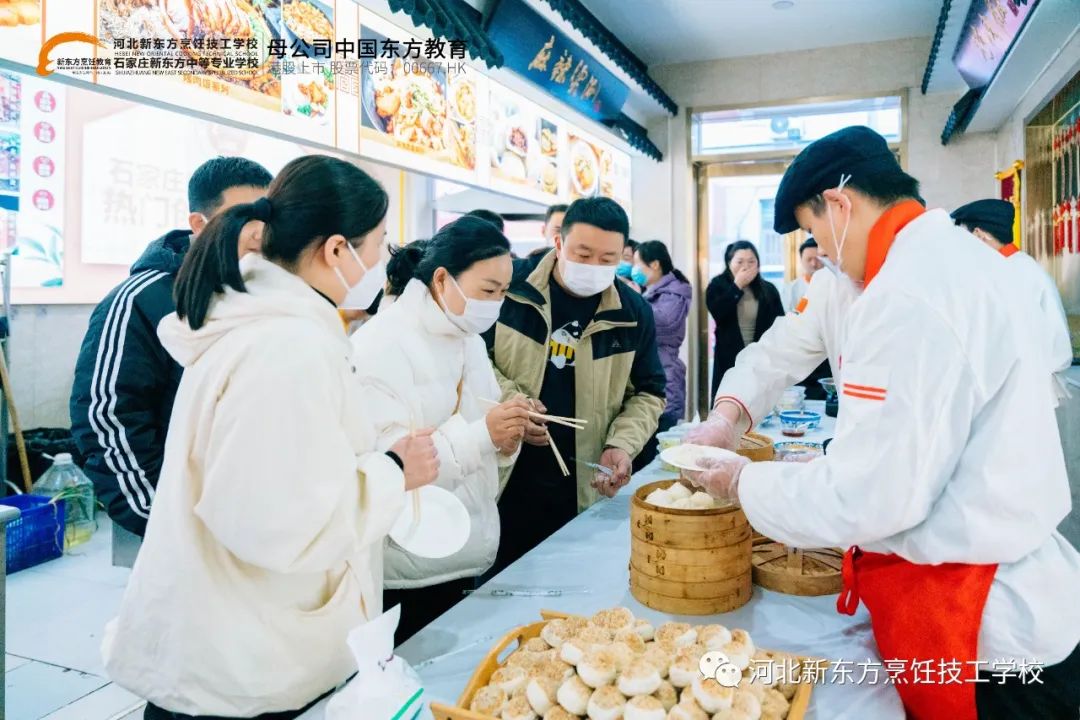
857 151
993 216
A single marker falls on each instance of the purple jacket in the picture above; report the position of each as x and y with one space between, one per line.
670 301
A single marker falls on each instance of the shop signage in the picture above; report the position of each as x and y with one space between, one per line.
534 48
989 31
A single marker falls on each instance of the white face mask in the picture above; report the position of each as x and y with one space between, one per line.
479 315
363 293
586 280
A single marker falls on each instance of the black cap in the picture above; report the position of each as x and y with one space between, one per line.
857 151
994 216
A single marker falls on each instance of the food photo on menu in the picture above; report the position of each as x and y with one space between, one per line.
201 21
524 144
419 106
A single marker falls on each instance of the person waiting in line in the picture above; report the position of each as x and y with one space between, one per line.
809 263
669 294
578 344
625 270
992 222
553 219
742 304
422 362
944 406
125 381
265 544
491 216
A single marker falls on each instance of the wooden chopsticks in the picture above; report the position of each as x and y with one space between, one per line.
574 423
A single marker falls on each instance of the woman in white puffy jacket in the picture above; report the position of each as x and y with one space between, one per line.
421 362
264 547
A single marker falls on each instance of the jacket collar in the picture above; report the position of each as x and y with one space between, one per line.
884 232
417 301
535 287
1009 250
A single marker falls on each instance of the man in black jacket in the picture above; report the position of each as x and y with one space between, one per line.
125 381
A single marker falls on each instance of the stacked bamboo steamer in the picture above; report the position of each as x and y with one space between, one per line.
688 562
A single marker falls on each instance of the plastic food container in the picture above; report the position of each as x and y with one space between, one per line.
798 451
669 439
794 398
798 423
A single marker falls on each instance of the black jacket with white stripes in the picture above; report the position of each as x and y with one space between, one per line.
125 383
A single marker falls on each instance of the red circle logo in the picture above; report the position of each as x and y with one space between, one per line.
45 101
44 200
44 166
44 132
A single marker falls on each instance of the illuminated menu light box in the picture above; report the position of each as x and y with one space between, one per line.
347 103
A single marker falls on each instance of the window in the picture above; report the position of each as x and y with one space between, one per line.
791 127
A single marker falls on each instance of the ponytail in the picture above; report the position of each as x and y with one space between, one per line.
656 251
402 266
212 264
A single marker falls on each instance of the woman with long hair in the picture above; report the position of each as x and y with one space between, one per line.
265 545
742 304
422 362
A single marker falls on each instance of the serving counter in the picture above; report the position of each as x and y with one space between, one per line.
584 568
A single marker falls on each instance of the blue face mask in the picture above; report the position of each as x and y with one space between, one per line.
625 269
640 277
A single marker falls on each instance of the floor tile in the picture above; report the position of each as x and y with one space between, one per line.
110 702
36 689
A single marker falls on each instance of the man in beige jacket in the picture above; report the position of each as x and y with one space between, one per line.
579 345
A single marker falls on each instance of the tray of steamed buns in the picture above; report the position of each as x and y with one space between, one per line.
613 666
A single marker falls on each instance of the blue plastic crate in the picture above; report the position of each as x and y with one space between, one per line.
38 534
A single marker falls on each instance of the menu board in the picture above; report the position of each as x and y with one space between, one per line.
32 141
308 76
135 191
525 144
596 169
419 113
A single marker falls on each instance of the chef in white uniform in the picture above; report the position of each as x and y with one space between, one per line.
946 478
809 263
992 222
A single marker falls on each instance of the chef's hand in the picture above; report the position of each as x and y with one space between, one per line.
420 458
536 432
744 277
719 429
721 479
506 424
619 461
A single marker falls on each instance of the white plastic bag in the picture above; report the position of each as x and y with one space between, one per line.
385 686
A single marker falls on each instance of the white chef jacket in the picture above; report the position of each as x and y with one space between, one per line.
947 447
795 291
1052 316
792 348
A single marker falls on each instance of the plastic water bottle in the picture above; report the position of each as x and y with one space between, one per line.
65 481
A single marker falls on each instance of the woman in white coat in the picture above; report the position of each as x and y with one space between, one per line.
421 362
265 545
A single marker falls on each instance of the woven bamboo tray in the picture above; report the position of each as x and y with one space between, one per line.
797 572
518 637
757 447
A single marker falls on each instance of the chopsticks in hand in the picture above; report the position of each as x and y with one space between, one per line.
575 423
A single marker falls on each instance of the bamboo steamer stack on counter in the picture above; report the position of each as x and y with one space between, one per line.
693 561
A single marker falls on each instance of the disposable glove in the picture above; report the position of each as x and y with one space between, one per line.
721 478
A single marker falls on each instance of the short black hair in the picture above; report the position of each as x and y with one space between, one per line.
211 179
884 188
810 243
600 212
632 244
552 209
492 217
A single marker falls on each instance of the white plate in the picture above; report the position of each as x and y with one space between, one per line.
689 457
443 528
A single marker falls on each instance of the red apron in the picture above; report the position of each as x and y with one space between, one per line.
921 613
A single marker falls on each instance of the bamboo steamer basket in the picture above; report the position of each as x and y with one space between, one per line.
517 637
757 447
688 562
797 572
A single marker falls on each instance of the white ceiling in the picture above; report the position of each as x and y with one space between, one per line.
662 32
